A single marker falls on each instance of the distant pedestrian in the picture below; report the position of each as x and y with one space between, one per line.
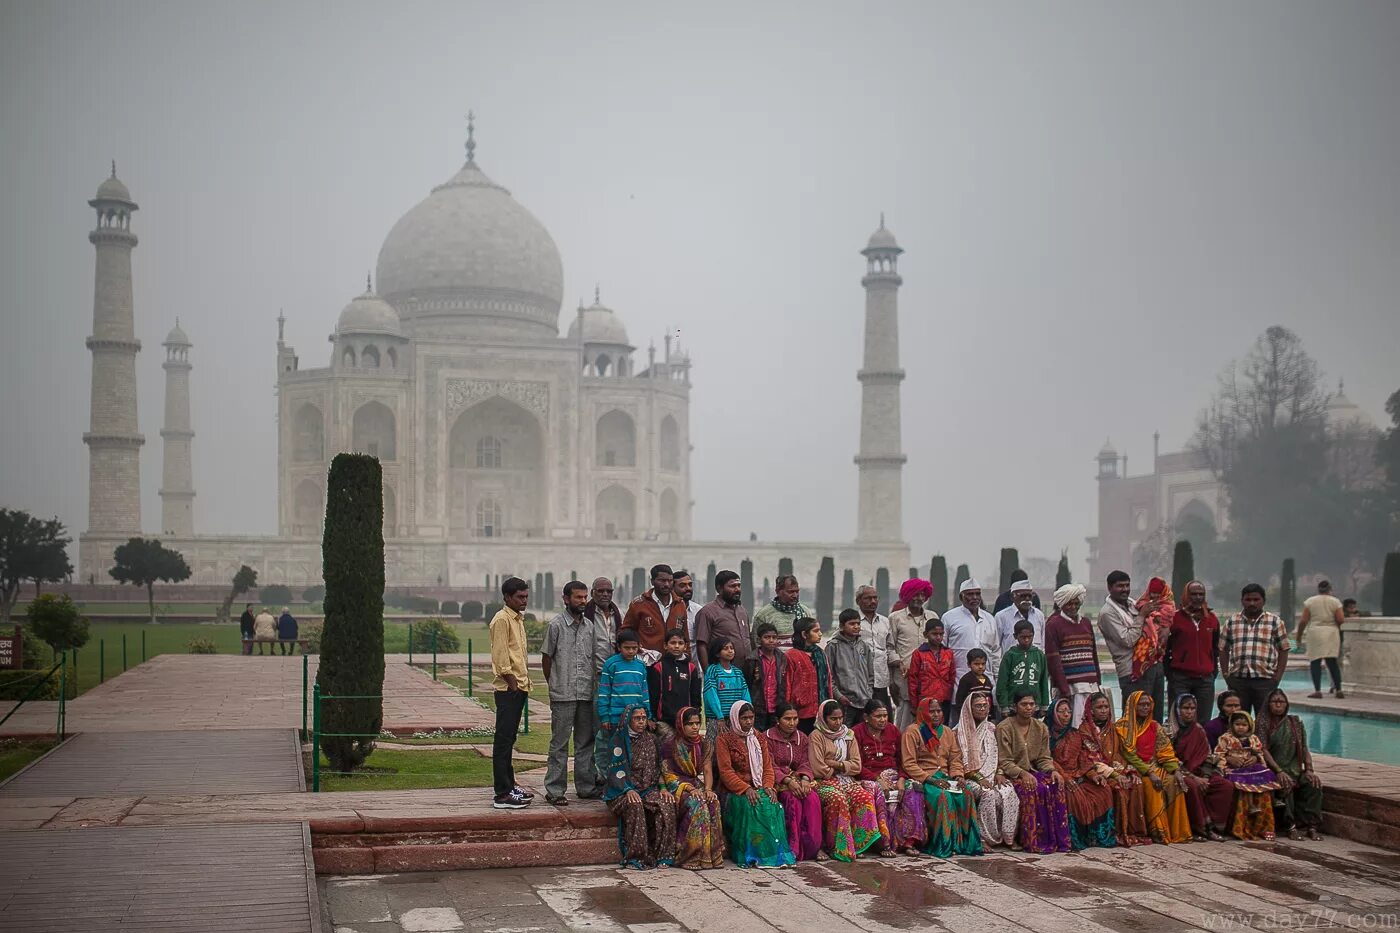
287 631
265 631
512 687
246 628
1322 621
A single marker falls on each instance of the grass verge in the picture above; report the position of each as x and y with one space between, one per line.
16 753
403 770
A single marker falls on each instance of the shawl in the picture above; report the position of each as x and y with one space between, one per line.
620 759
1267 723
1106 738
1151 644
969 737
790 753
752 742
927 732
787 608
1141 735
818 659
1057 735
682 759
841 738
1191 743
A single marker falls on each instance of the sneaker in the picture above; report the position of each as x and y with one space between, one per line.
522 792
511 801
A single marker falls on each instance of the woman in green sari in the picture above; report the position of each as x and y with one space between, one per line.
1298 803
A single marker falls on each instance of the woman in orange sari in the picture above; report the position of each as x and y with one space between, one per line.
1148 751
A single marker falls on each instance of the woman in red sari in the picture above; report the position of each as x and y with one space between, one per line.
1129 808
1208 795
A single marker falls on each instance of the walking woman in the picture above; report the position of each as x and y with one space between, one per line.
1208 794
797 788
753 821
1088 794
688 772
997 804
851 823
1023 756
1148 751
646 815
934 763
881 768
1300 789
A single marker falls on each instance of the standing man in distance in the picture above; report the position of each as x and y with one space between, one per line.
512 686
783 610
684 588
1253 651
245 628
725 616
1022 608
970 626
1193 648
567 658
875 632
654 613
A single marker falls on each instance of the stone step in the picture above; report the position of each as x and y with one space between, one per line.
1370 832
1358 805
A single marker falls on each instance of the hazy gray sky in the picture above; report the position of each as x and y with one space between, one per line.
1101 204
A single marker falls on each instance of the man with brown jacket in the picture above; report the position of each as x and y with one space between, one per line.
651 614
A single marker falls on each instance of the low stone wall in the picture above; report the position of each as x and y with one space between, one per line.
1371 661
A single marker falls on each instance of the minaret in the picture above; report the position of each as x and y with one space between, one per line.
881 462
177 483
114 444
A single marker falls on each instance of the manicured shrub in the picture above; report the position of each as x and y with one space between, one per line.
202 645
450 608
938 576
447 640
14 685
275 594
1183 569
472 610
826 592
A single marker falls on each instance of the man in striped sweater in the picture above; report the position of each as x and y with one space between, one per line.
1071 654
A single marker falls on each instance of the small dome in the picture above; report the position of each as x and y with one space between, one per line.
1109 452
369 314
882 239
600 325
176 337
1342 410
112 189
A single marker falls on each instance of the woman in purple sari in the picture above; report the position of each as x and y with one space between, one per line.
1023 757
797 788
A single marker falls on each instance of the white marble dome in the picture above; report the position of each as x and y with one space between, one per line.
112 189
469 251
600 325
882 239
369 314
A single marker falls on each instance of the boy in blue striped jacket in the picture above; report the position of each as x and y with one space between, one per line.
623 681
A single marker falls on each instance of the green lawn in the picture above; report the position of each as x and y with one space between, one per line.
536 743
16 753
402 770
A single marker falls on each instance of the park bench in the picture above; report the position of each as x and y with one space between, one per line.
300 642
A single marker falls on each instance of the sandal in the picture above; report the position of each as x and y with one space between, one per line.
887 853
1314 835
559 801
1295 835
1341 695
822 856
1315 695
912 852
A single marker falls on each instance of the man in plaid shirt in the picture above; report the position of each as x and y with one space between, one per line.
1254 650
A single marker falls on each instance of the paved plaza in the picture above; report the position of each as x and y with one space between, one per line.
1151 889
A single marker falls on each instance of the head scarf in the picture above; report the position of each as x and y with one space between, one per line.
841 738
1140 733
1057 734
967 730
914 587
1176 712
925 718
753 744
1107 737
1151 644
1267 723
1070 591
620 761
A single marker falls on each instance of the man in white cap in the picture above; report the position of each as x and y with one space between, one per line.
970 626
1022 608
1071 654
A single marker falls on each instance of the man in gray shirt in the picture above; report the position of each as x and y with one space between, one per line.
568 657
1120 623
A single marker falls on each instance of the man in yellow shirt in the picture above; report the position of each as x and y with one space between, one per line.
512 685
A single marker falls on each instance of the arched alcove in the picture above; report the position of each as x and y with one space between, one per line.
616 440
308 508
615 517
372 431
496 451
308 435
670 445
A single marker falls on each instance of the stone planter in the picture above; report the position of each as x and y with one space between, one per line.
1371 657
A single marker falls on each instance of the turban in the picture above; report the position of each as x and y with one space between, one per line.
969 584
1070 591
915 587
1022 586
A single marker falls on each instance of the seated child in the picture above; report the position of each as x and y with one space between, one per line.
1245 763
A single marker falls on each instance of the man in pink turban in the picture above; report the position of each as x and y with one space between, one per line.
907 629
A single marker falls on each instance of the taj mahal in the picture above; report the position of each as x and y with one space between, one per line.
506 447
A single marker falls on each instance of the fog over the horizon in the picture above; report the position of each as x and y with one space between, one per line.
1101 204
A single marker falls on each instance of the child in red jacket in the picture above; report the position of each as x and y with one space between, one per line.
931 669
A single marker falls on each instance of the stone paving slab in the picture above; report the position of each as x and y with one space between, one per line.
1151 889
167 879
121 764
1359 706
222 691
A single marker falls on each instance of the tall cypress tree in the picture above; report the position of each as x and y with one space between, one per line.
1287 592
913 573
549 589
1390 586
938 576
639 582
1062 575
826 591
882 588
746 583
848 588
1010 563
784 566
710 573
352 641
962 574
1183 569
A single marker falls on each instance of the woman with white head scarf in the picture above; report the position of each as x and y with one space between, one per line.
997 804
754 825
1071 653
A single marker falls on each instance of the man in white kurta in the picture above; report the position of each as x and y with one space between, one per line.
970 626
1022 608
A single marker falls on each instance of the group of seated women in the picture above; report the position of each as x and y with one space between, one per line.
774 798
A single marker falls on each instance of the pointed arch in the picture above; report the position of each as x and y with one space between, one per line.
308 508
670 513
616 440
372 431
496 451
308 435
670 444
615 518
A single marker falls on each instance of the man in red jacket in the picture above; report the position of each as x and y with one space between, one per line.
1193 648
655 612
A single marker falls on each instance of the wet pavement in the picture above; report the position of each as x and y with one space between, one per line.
1151 889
